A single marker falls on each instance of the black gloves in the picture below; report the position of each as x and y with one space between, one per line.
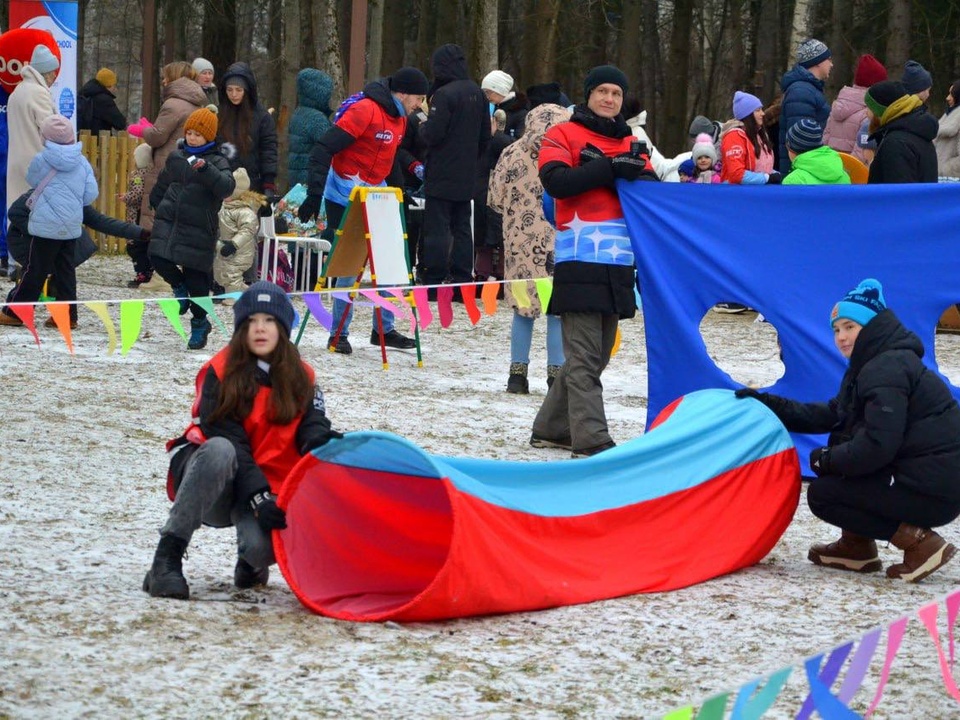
144 235
228 248
774 178
774 402
309 207
265 510
319 440
589 153
745 392
627 166
820 461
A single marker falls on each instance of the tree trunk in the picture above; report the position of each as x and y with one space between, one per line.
274 72
542 27
426 33
841 20
673 135
375 10
290 66
394 35
327 40
485 52
768 51
651 66
219 33
898 36
629 46
801 24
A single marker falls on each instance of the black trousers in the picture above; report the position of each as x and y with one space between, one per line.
47 257
139 252
197 282
871 506
447 242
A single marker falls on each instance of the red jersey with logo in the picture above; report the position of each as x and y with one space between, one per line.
378 136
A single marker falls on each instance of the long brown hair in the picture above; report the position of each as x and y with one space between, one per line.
757 134
235 122
292 389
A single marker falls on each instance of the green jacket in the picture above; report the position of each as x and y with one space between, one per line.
822 166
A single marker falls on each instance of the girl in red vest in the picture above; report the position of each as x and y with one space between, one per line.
256 412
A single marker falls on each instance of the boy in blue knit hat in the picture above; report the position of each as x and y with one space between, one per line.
891 467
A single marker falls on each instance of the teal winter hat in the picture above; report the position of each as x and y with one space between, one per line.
862 304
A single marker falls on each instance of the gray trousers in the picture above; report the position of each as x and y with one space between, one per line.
573 407
206 496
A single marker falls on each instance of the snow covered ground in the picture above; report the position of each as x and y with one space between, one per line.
83 468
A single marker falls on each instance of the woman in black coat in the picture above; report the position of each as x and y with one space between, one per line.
891 468
904 132
98 104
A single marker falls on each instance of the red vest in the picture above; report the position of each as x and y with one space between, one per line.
378 137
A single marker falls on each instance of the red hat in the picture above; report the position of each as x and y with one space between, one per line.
869 72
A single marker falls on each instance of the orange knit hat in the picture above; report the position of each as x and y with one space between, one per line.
204 122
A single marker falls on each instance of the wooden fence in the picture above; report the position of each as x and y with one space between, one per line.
111 155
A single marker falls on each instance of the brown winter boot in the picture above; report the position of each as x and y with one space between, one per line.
924 552
851 552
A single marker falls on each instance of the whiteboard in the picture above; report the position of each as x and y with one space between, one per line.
388 247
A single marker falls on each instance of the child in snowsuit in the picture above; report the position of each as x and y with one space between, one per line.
891 468
63 183
138 249
256 412
239 225
187 197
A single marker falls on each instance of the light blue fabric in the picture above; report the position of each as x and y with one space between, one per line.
789 252
342 306
58 211
709 433
521 338
604 242
338 188
752 177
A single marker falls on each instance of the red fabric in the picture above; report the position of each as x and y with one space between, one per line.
374 546
378 136
16 48
563 143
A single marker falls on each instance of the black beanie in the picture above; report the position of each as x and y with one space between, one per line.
882 95
264 297
409 80
543 94
604 74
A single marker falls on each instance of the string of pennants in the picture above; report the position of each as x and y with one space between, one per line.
399 300
755 697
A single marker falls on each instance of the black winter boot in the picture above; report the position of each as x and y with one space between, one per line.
165 576
552 372
246 575
181 294
199 330
517 383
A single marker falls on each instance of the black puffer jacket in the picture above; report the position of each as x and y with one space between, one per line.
260 157
457 131
891 412
905 150
187 202
103 113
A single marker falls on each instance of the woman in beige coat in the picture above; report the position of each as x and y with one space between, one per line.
516 193
947 141
182 95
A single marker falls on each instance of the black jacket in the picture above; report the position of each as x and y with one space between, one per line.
18 236
98 109
187 202
457 131
905 150
516 109
260 159
892 414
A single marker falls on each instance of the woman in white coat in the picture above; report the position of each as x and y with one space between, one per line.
947 141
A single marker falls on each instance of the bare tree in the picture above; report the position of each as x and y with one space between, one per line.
290 66
841 20
801 23
327 38
375 10
486 52
675 106
898 42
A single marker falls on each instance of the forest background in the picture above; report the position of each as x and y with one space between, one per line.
683 57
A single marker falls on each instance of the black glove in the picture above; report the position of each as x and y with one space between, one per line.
774 178
320 440
265 510
627 166
589 153
820 461
309 207
144 235
747 392
228 248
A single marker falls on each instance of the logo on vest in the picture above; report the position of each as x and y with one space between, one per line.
385 136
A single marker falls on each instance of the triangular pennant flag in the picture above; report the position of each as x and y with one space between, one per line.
519 290
469 294
445 305
171 309
60 312
317 309
544 291
100 309
616 343
489 297
131 320
894 638
206 302
406 312
26 311
422 302
379 301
